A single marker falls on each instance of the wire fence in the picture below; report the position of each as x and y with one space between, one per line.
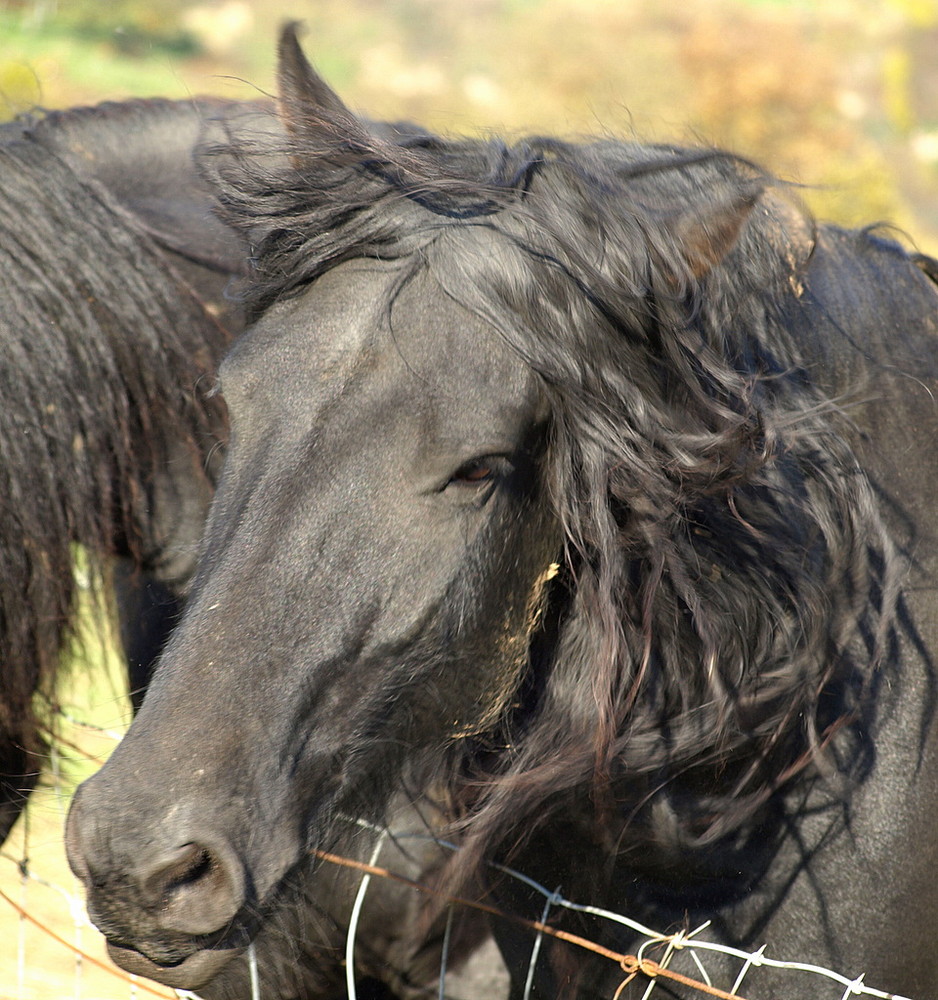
634 966
48 948
66 931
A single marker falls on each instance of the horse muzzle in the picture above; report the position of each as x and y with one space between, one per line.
193 972
173 908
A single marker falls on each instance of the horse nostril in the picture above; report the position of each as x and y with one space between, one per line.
183 867
194 889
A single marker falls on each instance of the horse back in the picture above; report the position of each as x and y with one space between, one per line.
144 154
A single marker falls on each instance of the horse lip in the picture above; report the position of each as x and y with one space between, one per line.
192 972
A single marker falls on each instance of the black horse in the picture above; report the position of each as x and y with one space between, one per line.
114 284
108 430
589 486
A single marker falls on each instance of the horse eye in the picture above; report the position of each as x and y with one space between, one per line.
472 473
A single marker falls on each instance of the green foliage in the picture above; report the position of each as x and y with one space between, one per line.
53 65
920 13
897 73
840 95
19 87
129 26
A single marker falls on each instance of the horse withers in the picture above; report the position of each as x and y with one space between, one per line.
588 489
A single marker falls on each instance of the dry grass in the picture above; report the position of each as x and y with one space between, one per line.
34 965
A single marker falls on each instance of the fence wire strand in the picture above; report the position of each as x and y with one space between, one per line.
633 966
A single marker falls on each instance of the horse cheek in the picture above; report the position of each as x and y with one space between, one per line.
524 604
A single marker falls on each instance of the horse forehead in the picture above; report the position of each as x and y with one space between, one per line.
318 331
448 346
391 326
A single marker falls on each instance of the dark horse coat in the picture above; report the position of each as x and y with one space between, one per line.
107 351
589 488
116 309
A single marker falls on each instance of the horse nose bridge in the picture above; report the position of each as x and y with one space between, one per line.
289 555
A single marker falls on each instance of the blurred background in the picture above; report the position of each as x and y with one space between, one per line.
841 95
838 95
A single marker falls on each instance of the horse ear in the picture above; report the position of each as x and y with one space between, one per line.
304 95
708 229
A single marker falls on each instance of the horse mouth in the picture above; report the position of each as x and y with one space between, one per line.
189 973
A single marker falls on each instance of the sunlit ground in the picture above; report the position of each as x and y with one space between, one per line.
38 959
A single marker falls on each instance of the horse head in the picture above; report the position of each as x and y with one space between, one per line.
528 497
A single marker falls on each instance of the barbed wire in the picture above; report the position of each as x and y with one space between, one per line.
634 967
687 941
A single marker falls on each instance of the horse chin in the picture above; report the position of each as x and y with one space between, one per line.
190 974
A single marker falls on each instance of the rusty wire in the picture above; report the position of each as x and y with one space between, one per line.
632 966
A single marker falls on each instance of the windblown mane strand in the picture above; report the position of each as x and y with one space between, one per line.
729 586
99 346
336 191
729 558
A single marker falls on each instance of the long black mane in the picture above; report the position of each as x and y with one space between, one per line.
728 588
102 428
